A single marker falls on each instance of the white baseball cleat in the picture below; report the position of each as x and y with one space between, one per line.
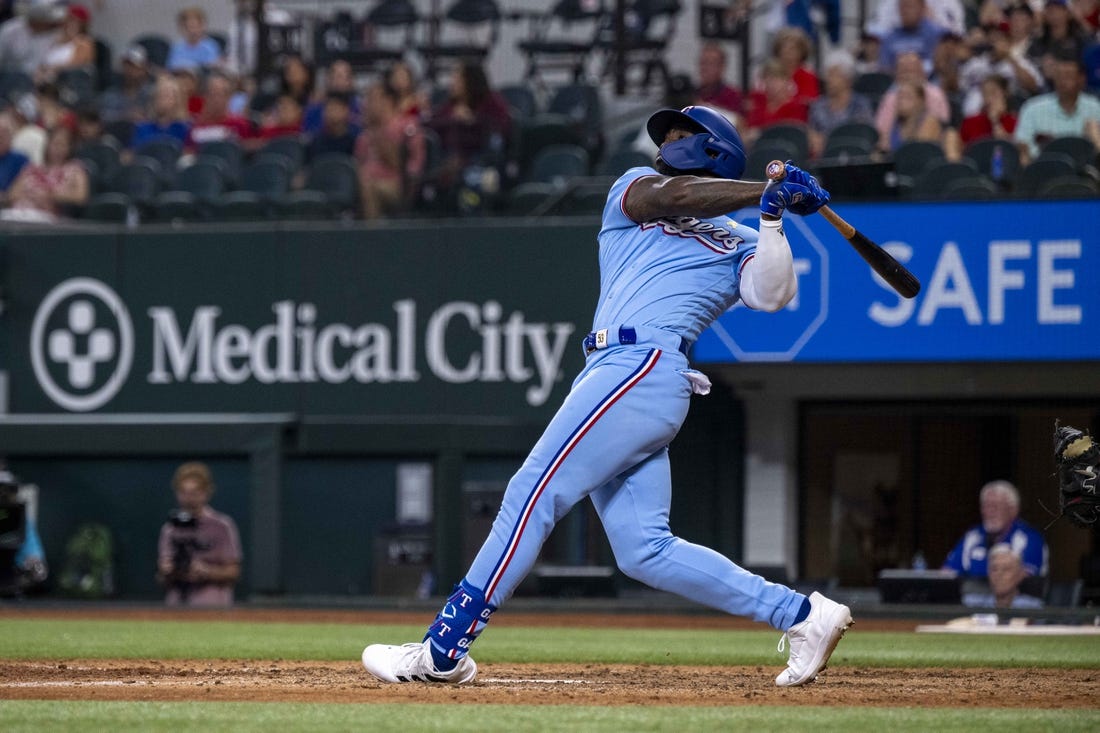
813 640
413 663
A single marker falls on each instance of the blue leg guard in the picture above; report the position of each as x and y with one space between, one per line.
461 620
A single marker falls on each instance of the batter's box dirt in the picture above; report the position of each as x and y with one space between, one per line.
549 684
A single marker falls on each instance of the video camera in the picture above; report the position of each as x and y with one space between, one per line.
185 543
13 531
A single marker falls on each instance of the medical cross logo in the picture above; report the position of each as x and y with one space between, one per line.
82 344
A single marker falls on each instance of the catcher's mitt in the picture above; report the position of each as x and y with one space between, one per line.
1077 457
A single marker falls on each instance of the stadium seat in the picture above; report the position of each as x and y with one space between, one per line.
105 156
538 133
305 205
241 206
228 150
140 180
1070 187
795 135
911 158
14 84
337 177
561 38
203 180
860 130
530 198
873 85
644 46
969 189
846 147
621 161
166 151
121 130
270 178
1079 148
521 100
557 164
981 152
221 39
113 207
290 147
1065 593
1046 167
468 31
760 155
586 196
929 184
580 106
422 192
386 33
176 206
76 86
156 47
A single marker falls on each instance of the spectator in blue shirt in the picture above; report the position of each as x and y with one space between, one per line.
339 79
168 116
11 161
195 48
915 33
1000 507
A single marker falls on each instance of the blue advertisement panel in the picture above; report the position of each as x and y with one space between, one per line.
1001 281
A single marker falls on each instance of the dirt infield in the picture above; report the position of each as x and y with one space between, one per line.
536 684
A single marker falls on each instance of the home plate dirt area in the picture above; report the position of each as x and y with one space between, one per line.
532 684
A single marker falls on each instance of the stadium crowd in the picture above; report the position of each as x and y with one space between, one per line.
964 99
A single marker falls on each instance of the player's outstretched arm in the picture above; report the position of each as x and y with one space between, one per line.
653 197
768 281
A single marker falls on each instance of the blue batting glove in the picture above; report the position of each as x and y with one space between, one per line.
798 191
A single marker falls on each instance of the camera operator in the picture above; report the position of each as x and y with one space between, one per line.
199 552
22 559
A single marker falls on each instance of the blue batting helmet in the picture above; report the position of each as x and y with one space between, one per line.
716 146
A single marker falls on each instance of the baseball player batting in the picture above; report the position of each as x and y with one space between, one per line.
671 261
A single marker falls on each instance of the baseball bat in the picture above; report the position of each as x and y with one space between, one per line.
889 269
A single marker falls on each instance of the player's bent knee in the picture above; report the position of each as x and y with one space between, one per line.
643 562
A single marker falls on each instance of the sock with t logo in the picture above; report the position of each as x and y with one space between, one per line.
458 623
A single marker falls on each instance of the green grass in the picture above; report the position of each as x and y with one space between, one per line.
118 717
31 638
201 639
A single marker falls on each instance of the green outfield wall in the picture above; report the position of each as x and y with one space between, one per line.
316 368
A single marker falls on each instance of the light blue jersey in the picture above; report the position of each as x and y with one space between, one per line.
675 274
662 283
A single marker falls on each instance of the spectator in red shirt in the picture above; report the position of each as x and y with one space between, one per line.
774 102
474 124
791 46
188 79
285 119
215 122
993 120
713 90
